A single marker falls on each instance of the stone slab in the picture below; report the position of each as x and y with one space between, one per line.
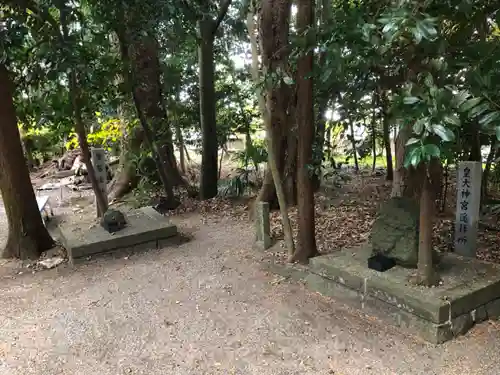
143 229
470 292
467 283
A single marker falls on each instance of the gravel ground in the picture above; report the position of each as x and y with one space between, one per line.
205 307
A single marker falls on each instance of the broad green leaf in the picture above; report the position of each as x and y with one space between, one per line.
411 100
428 31
416 157
418 127
490 117
460 98
469 104
388 27
412 156
412 141
478 110
498 132
417 35
452 119
430 150
444 133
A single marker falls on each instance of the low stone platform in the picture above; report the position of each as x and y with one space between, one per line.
146 229
470 292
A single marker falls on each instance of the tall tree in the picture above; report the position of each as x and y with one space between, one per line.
28 237
305 122
207 27
274 28
265 105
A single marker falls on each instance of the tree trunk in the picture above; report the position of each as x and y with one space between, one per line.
143 54
387 139
182 153
426 273
102 206
142 73
274 29
75 100
353 143
126 177
319 140
267 25
398 184
27 237
208 183
487 168
305 122
374 132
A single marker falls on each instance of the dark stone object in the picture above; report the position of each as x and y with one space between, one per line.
113 221
162 205
395 231
380 263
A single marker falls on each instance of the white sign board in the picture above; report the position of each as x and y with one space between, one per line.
468 204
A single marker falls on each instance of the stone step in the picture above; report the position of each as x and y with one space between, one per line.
470 292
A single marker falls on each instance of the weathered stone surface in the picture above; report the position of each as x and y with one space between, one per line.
141 229
461 324
262 226
410 323
493 308
340 269
395 231
333 289
470 292
398 294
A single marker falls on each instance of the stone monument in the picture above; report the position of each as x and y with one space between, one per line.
468 204
395 231
262 226
98 157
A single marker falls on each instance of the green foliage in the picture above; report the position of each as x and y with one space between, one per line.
108 134
255 154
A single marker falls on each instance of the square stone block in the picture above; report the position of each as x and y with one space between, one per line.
142 230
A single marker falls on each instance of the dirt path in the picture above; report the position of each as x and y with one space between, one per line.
205 307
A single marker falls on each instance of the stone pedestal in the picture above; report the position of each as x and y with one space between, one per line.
468 204
262 226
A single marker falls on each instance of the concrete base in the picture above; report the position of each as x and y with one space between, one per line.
470 292
146 229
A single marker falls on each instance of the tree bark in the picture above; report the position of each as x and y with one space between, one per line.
274 19
305 122
207 27
75 99
426 273
387 138
353 143
398 183
142 73
374 132
264 106
126 177
27 237
102 206
182 153
487 168
209 178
